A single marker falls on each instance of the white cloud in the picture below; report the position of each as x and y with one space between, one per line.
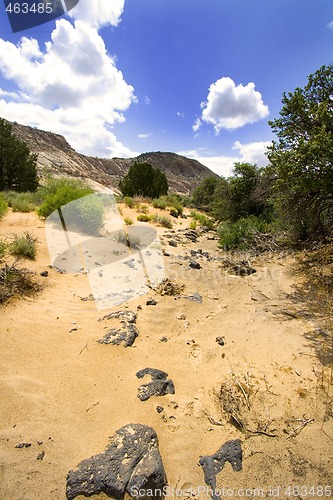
73 87
330 25
147 100
98 13
253 152
144 136
180 114
197 125
231 106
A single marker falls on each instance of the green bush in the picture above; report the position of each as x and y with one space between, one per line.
164 221
143 209
3 205
202 219
193 224
24 245
159 203
59 192
86 214
143 218
3 248
128 221
128 200
243 233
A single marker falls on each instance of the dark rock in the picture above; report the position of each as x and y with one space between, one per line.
220 340
194 265
151 302
191 235
173 243
159 409
163 339
41 455
243 268
159 386
126 334
166 254
230 452
139 307
23 445
194 297
129 464
44 274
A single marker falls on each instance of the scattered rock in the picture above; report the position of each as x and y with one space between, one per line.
194 297
220 340
151 302
139 307
194 264
44 274
191 235
130 463
173 243
182 316
230 452
41 455
127 334
159 409
23 445
159 386
163 339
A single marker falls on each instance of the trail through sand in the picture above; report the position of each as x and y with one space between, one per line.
65 393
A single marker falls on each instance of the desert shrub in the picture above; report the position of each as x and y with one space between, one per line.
143 209
173 212
159 203
193 224
3 205
202 219
59 192
128 221
24 245
86 214
144 180
16 281
3 248
243 233
23 202
143 218
165 221
128 200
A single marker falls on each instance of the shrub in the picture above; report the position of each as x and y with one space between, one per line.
202 219
15 281
143 209
159 203
23 202
3 205
128 221
143 218
193 224
144 180
164 221
24 245
243 233
3 248
128 200
85 214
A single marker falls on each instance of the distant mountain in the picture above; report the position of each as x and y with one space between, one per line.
57 157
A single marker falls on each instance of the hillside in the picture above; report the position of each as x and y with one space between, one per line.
56 156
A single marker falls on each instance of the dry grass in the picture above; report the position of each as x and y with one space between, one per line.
15 282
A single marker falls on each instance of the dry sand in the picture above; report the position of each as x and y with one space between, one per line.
62 389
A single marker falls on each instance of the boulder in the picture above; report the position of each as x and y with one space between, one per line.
131 464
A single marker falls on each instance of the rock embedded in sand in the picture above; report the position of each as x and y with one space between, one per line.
131 464
159 386
126 334
230 452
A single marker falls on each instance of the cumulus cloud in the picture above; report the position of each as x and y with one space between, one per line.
253 152
72 87
144 136
99 12
231 106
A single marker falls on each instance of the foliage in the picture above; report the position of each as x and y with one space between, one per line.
162 220
3 205
21 202
128 221
159 203
243 233
301 161
143 218
202 196
128 200
193 224
202 219
16 281
3 248
18 166
143 209
87 214
144 180
24 245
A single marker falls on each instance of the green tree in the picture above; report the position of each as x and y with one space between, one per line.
144 180
301 160
18 171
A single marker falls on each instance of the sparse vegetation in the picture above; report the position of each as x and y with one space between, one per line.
16 281
3 205
128 221
24 245
159 203
143 218
162 220
144 180
128 200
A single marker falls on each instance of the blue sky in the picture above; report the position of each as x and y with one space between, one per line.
196 77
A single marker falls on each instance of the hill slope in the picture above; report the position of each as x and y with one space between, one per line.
56 156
